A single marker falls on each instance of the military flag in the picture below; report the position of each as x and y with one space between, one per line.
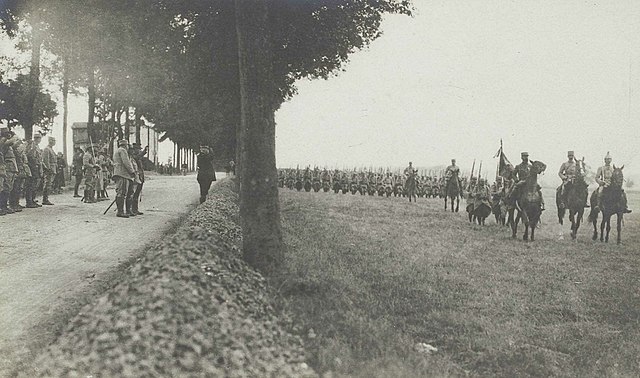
503 163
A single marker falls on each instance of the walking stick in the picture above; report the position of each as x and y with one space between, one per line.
112 202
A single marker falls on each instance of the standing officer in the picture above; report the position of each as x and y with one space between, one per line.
49 167
19 149
138 155
9 168
89 168
34 157
77 170
123 174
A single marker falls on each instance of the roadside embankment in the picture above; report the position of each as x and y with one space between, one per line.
189 307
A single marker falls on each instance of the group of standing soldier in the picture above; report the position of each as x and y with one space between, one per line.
23 166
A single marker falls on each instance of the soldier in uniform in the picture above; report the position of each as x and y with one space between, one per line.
568 172
123 174
481 194
34 158
519 176
138 155
49 167
452 170
19 149
603 178
9 168
89 171
76 170
59 180
409 170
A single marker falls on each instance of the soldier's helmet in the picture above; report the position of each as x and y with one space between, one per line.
608 157
524 154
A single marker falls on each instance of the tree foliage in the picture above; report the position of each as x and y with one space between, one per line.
14 104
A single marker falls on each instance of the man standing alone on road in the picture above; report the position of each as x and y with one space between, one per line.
206 171
123 174
49 167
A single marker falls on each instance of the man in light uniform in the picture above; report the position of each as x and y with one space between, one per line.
123 174
452 170
603 178
50 168
569 170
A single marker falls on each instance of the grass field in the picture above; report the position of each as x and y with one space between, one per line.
374 276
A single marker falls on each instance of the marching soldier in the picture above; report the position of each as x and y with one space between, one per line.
603 178
123 174
49 167
569 170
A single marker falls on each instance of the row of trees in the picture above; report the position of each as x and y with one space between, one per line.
212 71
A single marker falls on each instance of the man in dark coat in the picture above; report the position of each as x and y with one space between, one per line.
206 171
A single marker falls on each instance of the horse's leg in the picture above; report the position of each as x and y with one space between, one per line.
533 230
606 238
619 218
526 227
578 221
603 224
514 224
457 204
445 203
594 220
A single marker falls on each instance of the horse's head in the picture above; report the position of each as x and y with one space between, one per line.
617 177
538 167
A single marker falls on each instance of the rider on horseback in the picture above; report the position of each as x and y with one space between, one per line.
569 171
603 178
519 175
453 170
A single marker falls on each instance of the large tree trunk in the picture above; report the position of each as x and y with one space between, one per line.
34 80
65 109
259 207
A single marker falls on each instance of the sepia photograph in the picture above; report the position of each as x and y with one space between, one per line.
319 188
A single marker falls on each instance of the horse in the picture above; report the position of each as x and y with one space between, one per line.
410 186
452 191
316 186
337 186
326 186
612 203
298 185
577 191
527 204
307 185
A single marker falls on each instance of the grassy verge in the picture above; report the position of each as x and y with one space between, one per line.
374 276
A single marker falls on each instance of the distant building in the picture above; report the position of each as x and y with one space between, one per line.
148 137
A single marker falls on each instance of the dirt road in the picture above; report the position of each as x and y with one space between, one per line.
53 260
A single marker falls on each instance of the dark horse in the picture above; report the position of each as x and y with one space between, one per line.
527 203
577 191
410 186
612 203
452 190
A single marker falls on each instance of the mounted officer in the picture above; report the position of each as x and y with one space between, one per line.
452 170
519 176
603 178
568 172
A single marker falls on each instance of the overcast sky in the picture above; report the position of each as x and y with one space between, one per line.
545 76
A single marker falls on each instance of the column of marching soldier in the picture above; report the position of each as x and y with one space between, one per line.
24 167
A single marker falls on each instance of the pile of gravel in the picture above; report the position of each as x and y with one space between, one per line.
190 307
